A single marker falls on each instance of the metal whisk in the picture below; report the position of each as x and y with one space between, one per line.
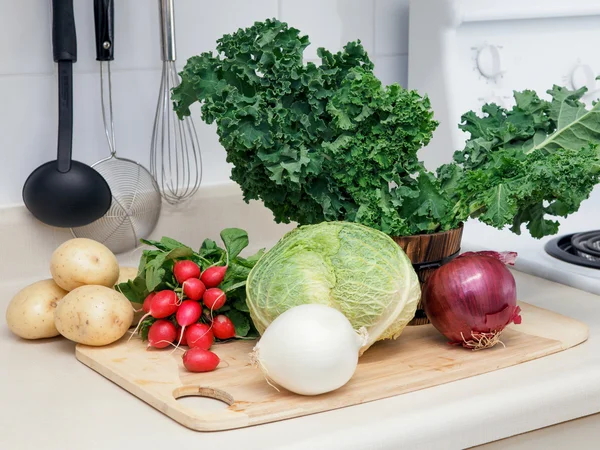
175 160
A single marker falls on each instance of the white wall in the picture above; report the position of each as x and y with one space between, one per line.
28 106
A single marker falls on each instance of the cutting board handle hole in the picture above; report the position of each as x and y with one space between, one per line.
203 399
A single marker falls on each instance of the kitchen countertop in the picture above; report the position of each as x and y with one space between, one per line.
51 401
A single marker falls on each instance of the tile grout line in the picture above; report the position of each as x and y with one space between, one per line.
27 75
390 55
80 72
374 31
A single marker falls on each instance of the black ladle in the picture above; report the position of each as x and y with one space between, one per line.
65 193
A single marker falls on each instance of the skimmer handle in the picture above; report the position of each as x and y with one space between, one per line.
167 29
104 19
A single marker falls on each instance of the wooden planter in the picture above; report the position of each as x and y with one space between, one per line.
427 252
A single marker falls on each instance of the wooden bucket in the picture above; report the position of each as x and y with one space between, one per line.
427 252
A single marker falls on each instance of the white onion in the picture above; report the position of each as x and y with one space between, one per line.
309 349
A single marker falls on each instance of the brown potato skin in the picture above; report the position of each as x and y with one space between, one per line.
78 262
93 315
30 314
126 274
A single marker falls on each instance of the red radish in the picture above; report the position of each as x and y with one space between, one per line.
200 360
213 276
214 298
147 300
161 305
199 335
470 300
194 289
188 313
182 336
223 327
161 334
184 270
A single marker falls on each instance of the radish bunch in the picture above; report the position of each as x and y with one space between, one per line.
193 298
186 315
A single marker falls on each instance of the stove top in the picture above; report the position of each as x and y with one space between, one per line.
582 249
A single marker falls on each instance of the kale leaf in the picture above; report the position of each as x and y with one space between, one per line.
314 142
528 164
330 142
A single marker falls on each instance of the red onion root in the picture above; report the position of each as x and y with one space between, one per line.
480 341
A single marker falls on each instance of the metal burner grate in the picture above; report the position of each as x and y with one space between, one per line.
582 249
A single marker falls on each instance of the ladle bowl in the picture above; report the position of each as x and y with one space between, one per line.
63 192
73 198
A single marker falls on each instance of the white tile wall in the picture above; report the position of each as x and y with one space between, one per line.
28 111
392 69
331 23
136 41
391 30
208 20
25 45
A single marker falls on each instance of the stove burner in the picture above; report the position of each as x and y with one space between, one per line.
582 249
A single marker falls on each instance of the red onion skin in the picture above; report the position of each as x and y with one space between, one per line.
471 295
507 258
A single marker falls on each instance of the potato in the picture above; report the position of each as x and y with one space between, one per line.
126 274
93 315
30 314
81 261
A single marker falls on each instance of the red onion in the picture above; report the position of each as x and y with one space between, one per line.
471 299
504 257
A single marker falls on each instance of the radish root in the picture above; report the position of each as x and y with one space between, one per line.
138 326
158 342
223 361
480 341
205 333
170 343
180 338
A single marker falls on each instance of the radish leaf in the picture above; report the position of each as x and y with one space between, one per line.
235 241
240 322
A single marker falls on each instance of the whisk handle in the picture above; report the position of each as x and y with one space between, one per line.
167 29
104 19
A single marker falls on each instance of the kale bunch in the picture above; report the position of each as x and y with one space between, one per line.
314 142
329 142
524 165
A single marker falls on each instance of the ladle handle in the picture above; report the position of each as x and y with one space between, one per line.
104 19
64 38
65 115
64 48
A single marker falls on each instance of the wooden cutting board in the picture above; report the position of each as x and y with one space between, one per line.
419 359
